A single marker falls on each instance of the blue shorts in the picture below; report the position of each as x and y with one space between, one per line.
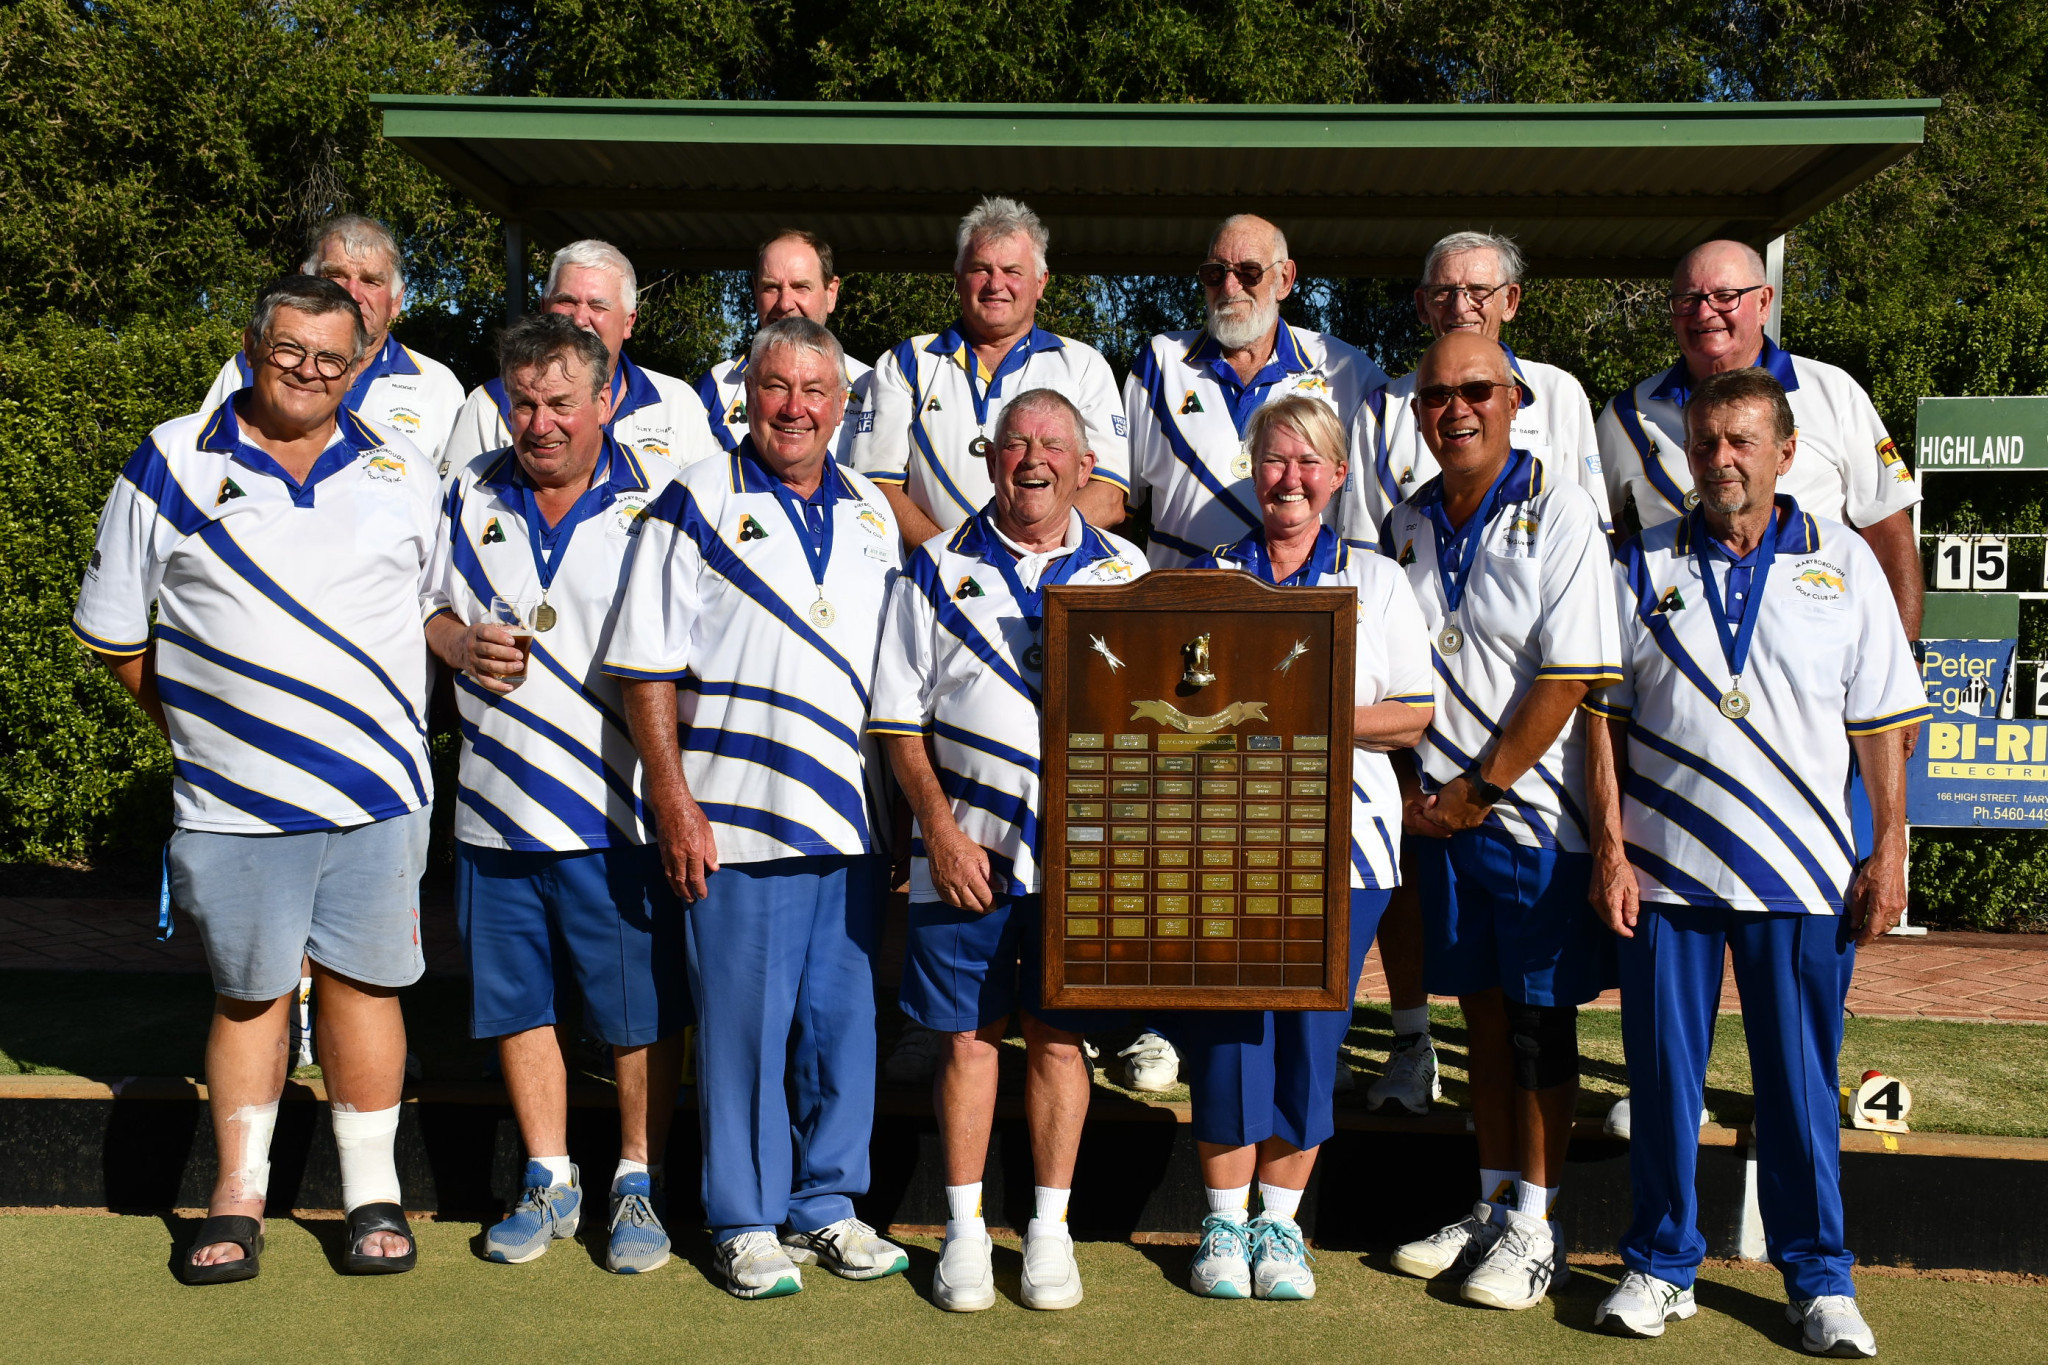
1501 915
1255 1074
606 914
962 970
347 898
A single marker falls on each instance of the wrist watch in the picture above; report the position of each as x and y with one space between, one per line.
1483 791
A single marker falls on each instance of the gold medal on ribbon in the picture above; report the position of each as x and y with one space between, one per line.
1241 465
544 617
1735 703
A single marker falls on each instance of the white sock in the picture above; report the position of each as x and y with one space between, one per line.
557 1167
1232 1204
1534 1201
1049 1211
251 1175
1498 1189
1408 1023
1278 1201
627 1168
963 1211
363 1142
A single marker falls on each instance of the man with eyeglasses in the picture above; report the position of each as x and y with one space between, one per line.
256 585
1471 282
396 387
1193 393
654 415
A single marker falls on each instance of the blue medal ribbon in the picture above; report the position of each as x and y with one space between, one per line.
817 544
1058 571
549 544
1734 637
1321 560
1457 549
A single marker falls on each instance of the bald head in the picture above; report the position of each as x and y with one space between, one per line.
1465 399
1720 302
1736 262
1246 236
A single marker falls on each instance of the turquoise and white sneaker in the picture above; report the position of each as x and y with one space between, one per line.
1280 1260
848 1248
755 1266
546 1213
1222 1267
638 1242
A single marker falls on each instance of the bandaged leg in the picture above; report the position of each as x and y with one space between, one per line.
247 1158
364 1143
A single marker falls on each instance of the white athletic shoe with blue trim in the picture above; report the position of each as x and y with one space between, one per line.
1280 1260
1519 1269
1222 1268
545 1213
1832 1325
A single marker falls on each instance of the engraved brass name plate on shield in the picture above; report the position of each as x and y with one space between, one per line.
1197 781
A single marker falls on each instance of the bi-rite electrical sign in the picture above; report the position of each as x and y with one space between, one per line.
1970 767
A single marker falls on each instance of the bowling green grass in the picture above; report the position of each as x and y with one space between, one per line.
83 1289
1965 1078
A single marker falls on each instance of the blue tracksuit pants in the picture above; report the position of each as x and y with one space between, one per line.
1793 972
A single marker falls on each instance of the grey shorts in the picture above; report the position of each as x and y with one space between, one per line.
347 898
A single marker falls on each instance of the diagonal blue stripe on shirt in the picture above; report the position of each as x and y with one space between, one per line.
1008 807
1696 892
1153 377
378 798
1564 798
1631 418
597 703
781 828
1759 876
1463 761
151 474
845 799
508 707
1755 804
545 790
768 696
924 572
969 740
509 829
268 809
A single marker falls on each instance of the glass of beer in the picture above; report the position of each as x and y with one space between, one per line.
516 615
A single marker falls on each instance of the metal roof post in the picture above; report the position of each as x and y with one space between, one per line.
515 269
1774 276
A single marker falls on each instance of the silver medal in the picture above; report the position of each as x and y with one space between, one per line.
1450 641
821 614
1241 465
1734 703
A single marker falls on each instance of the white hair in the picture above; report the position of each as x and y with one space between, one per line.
994 218
1751 258
592 254
1239 220
1503 248
359 236
795 333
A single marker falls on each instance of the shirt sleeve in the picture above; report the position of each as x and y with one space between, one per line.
881 450
1617 700
1877 481
129 549
477 428
905 668
660 603
1143 433
1362 503
1621 464
444 400
442 588
1407 638
1883 688
226 383
1580 636
1103 408
1573 437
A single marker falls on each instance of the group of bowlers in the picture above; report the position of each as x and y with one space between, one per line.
700 637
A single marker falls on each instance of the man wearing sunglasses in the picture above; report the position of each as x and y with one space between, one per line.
1471 282
1193 393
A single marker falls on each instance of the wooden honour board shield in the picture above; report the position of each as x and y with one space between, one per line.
1197 787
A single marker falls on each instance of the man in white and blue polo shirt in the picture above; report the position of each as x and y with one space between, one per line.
957 697
937 398
657 416
757 597
792 278
1511 569
1761 649
396 387
285 546
1192 393
555 875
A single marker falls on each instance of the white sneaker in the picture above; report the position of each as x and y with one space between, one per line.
1411 1080
1461 1244
965 1281
849 1249
1518 1270
1052 1277
755 1266
916 1056
1641 1304
1831 1325
1280 1260
1617 1125
1222 1268
1150 1064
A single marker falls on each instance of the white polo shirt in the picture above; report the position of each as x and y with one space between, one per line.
1753 814
723 392
1846 468
722 598
289 654
1188 415
933 399
1554 423
657 415
551 765
1538 603
1393 665
400 389
962 663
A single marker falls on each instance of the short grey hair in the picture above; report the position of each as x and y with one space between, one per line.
796 333
998 217
1503 248
1237 220
359 236
1043 400
592 254
1752 259
537 339
313 295
1751 385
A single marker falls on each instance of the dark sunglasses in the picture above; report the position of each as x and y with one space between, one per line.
1248 273
1474 393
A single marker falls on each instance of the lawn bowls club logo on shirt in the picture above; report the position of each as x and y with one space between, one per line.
631 513
1118 570
1519 536
1818 579
386 466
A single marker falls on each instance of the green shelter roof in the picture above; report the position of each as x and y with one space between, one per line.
1587 189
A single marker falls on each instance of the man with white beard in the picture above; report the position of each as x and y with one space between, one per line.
1192 393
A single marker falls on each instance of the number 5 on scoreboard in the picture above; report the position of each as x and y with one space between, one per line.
1970 563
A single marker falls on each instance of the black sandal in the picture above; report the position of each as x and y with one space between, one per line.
236 1230
372 1218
